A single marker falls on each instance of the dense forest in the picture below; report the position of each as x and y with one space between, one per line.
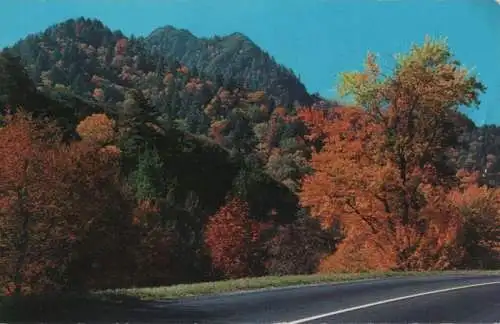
129 161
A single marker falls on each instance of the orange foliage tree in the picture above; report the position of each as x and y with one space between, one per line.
232 239
98 128
383 173
316 120
54 200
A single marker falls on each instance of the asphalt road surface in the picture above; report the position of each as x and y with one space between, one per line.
437 299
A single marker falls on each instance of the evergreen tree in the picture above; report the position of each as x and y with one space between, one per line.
148 179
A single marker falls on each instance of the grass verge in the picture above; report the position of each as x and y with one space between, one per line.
245 284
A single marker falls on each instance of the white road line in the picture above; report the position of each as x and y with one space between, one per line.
386 301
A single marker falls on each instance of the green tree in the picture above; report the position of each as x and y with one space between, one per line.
15 84
148 181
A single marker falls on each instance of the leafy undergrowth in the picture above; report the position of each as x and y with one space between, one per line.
134 303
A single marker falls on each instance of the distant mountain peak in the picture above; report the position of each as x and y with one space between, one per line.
82 22
239 35
172 29
233 56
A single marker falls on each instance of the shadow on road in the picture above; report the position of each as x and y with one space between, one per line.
106 308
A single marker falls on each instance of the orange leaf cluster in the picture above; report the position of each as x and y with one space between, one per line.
256 97
435 242
97 128
315 119
347 172
280 111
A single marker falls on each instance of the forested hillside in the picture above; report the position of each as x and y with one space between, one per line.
187 144
234 58
121 166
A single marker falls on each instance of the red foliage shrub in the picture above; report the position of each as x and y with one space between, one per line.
233 240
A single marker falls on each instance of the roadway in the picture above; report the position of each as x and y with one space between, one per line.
450 298
470 298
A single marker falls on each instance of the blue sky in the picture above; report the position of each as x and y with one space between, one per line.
316 38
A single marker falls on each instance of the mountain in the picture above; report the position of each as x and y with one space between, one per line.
188 142
232 57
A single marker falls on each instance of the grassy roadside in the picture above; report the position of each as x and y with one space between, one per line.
117 304
245 284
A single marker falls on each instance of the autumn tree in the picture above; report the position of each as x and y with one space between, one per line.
478 209
383 173
47 223
97 128
232 239
316 119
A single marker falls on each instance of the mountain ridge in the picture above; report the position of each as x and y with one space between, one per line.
237 48
252 67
